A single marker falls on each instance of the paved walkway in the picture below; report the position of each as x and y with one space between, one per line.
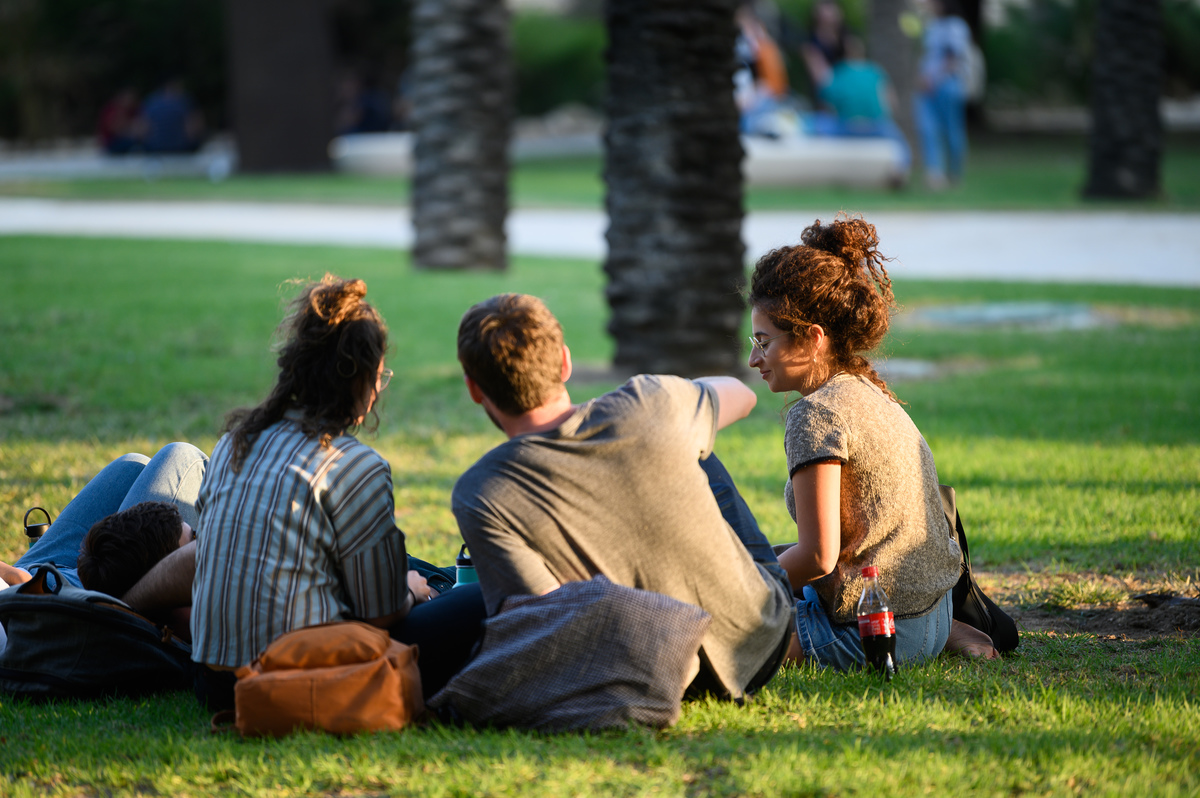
1105 247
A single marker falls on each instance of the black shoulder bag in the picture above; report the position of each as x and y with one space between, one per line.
971 605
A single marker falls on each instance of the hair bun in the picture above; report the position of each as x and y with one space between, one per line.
333 299
854 240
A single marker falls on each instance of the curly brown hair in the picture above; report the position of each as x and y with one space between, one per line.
333 345
121 548
835 278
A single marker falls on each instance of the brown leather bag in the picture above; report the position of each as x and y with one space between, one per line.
341 678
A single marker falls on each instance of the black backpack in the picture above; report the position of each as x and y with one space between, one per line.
66 642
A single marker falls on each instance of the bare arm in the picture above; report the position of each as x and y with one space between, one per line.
818 67
734 399
12 575
817 489
167 585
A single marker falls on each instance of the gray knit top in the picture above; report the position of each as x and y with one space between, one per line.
891 511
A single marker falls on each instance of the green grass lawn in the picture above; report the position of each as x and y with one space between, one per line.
1004 173
1075 453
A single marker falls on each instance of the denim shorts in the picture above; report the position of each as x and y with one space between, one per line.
837 645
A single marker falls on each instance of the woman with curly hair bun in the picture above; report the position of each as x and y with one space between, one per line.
297 522
862 487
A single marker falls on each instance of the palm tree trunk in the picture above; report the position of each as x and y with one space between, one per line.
281 67
1126 138
461 117
674 189
890 47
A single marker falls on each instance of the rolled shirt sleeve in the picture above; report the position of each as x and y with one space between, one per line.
361 506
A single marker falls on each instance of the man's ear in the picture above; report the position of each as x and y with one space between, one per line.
473 389
567 366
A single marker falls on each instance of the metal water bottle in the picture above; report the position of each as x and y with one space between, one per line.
463 568
876 626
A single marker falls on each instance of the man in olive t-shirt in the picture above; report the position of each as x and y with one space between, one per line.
623 485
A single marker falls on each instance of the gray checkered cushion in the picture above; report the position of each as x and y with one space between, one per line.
589 655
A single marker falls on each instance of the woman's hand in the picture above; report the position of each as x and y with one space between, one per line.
420 587
818 492
421 592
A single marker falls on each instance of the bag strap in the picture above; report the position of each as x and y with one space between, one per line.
962 540
223 722
39 584
950 508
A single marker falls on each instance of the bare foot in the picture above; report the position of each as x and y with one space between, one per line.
795 653
969 642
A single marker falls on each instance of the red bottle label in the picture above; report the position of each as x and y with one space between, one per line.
877 623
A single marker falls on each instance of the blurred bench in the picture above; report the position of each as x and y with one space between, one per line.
798 161
215 161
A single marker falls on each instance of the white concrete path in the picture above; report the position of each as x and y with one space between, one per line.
1101 246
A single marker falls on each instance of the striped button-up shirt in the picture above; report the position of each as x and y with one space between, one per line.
302 535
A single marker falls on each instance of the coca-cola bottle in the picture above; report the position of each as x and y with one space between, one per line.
876 626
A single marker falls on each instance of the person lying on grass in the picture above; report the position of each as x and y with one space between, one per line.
135 513
121 549
118 550
862 487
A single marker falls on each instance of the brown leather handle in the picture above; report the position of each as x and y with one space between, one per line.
223 721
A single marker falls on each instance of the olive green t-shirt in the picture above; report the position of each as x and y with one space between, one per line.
617 490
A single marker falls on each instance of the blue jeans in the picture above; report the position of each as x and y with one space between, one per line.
173 475
737 514
837 646
941 123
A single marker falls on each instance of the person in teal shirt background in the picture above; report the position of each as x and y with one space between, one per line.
859 97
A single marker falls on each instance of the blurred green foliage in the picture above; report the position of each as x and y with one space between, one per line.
63 59
1042 54
558 60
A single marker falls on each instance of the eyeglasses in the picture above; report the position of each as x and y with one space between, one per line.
761 346
385 377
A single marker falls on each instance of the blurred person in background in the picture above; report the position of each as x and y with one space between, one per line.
120 127
858 97
172 123
826 38
761 80
942 94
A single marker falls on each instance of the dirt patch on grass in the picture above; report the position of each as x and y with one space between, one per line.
32 403
1132 607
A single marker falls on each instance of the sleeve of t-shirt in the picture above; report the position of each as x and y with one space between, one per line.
361 507
814 434
692 408
504 561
